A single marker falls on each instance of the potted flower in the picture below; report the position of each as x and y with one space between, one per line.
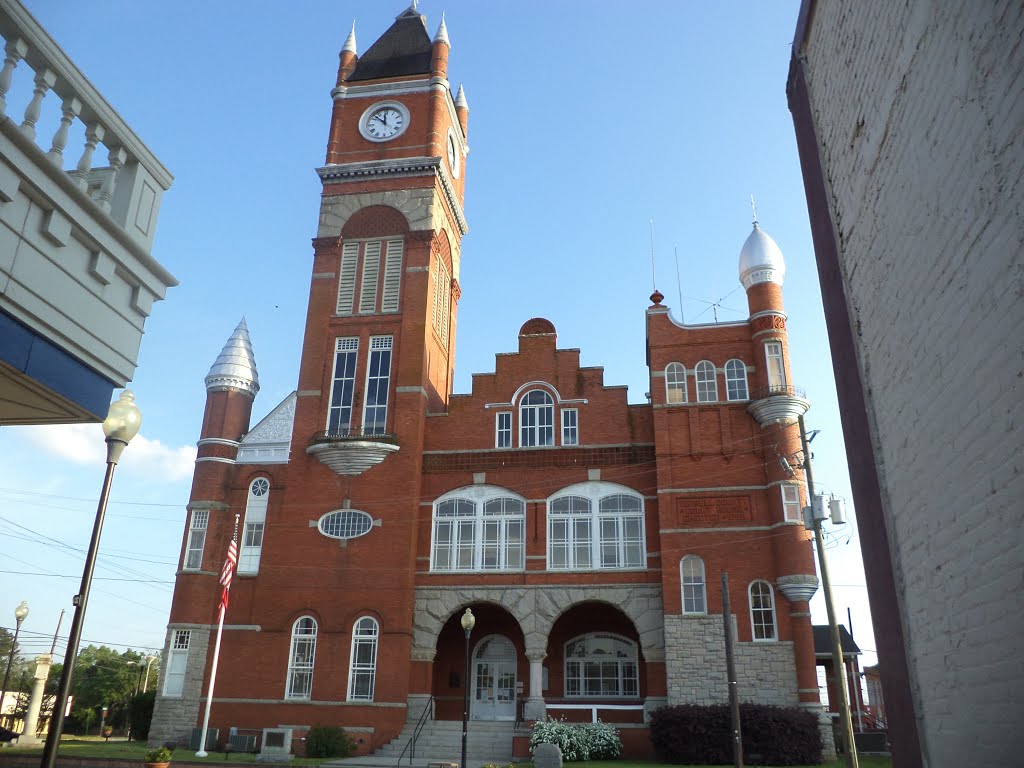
107 732
158 758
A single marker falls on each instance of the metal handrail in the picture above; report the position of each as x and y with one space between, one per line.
777 390
410 745
354 433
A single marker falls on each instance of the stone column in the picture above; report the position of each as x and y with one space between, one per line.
35 700
535 708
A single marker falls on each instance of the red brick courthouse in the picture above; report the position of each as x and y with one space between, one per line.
375 506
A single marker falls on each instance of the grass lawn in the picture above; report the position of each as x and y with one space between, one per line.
119 749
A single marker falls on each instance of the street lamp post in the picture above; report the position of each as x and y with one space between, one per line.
468 622
121 425
145 681
19 616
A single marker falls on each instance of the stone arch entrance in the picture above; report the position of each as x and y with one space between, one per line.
494 679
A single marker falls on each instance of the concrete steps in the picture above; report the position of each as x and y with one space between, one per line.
441 741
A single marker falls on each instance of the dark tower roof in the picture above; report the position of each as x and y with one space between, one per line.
405 49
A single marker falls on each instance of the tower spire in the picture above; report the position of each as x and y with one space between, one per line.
350 41
235 366
442 33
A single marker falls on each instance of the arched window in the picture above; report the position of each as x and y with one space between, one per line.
736 380
707 383
762 611
300 659
363 662
479 528
675 383
601 665
536 419
252 531
691 574
596 525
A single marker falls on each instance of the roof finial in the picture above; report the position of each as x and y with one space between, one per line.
753 207
350 41
442 33
414 5
460 98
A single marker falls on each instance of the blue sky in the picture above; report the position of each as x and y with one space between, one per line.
588 120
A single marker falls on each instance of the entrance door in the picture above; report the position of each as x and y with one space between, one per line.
494 679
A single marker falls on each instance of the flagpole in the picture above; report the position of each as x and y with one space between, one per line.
226 575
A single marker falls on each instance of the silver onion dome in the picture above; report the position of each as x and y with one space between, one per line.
761 260
235 367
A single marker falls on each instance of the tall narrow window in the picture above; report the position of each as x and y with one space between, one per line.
536 419
300 659
378 380
570 426
196 539
791 503
392 276
503 429
371 277
762 611
252 531
363 664
691 570
776 365
177 662
707 382
347 277
442 300
339 416
675 383
736 380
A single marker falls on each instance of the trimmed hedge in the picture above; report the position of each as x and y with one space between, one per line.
578 741
690 734
329 741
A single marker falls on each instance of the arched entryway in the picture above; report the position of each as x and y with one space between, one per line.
497 665
494 679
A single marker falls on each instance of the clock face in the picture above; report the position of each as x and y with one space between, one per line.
384 121
453 156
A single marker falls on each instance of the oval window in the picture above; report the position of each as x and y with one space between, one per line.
345 524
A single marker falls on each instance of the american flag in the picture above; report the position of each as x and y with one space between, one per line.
227 573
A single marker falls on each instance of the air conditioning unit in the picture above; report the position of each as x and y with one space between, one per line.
239 742
211 739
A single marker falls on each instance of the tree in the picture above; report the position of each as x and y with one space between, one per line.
103 677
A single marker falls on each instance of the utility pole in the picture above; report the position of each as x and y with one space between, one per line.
849 746
730 672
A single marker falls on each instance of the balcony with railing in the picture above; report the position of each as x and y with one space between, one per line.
352 451
77 278
778 404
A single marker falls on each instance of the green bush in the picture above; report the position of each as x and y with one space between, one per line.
329 741
140 714
578 741
690 734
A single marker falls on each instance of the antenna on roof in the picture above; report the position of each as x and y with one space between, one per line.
753 207
679 284
654 278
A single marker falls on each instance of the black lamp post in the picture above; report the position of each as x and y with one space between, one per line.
121 425
19 616
468 622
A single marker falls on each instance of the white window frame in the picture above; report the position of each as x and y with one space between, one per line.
362 664
177 662
760 615
376 373
706 382
199 521
626 668
479 528
301 659
536 419
693 586
251 546
503 429
675 383
589 530
343 385
792 510
570 426
736 387
776 364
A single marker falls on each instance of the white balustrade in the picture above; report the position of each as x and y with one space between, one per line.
15 51
68 112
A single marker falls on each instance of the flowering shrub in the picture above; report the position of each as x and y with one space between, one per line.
578 741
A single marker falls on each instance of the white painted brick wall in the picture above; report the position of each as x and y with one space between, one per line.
919 109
